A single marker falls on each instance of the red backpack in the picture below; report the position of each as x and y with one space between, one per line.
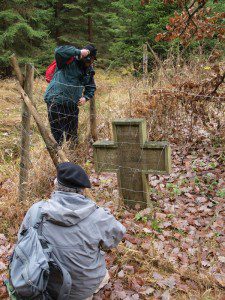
51 69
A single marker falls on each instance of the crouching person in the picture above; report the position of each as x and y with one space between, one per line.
77 230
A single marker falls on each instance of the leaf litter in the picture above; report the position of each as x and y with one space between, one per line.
176 249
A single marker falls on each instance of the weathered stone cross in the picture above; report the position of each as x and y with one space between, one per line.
132 157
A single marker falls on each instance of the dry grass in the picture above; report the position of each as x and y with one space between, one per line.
148 262
117 96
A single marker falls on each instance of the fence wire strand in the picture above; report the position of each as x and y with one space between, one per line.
104 121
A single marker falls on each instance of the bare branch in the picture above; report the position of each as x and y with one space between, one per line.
219 83
190 16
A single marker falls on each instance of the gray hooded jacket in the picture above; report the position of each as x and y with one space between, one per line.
76 226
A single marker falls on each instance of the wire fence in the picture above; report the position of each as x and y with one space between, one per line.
127 99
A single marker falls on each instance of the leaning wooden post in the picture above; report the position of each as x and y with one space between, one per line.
27 84
25 134
53 148
93 122
145 63
17 70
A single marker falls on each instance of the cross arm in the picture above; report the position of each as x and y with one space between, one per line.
105 156
156 158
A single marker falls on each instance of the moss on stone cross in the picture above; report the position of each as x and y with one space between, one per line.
132 157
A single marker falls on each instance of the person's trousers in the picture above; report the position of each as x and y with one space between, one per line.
63 119
102 284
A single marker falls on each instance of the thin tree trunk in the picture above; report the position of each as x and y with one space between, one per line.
25 135
57 8
90 22
93 121
145 64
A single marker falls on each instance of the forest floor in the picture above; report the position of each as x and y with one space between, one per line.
176 250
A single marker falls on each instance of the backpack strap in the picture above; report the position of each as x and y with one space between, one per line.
70 60
36 221
64 292
36 218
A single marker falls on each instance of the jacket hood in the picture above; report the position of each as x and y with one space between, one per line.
68 209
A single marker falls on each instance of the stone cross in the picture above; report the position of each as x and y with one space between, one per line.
132 157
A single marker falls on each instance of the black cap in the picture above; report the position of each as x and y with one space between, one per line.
72 176
92 49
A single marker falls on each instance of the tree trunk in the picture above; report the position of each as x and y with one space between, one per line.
90 22
93 121
25 135
145 64
57 8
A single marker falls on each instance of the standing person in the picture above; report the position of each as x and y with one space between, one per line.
77 230
71 86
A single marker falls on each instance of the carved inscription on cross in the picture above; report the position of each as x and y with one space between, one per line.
132 157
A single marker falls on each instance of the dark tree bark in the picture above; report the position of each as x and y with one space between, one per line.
57 9
90 22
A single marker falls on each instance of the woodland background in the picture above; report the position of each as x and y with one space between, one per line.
32 29
176 250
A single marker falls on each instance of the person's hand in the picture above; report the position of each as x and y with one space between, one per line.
82 101
84 53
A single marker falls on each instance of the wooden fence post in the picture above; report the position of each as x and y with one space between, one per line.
93 121
53 148
17 70
145 63
25 134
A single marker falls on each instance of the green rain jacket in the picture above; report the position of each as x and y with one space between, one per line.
70 81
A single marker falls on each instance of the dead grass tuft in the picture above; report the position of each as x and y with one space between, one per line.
169 116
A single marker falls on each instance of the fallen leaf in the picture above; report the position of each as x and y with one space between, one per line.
2 266
149 291
135 297
147 230
121 274
220 278
166 295
132 239
221 259
129 269
121 294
